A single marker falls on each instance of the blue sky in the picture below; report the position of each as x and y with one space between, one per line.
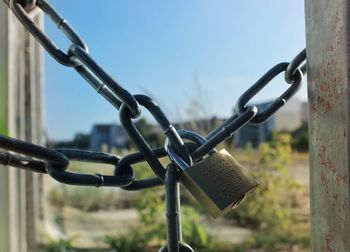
167 49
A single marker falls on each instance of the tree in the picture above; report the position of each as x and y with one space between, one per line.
80 141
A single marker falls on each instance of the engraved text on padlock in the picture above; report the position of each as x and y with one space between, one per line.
219 182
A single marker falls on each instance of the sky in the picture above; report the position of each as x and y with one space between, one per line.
177 52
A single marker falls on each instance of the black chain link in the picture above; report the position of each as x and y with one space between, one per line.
56 162
21 162
31 150
262 116
98 73
294 65
89 179
41 37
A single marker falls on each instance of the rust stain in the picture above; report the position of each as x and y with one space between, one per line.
325 104
339 33
340 206
330 89
313 108
331 181
329 240
335 198
325 181
345 205
341 179
325 160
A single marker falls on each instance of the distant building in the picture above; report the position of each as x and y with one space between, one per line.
291 116
255 134
108 135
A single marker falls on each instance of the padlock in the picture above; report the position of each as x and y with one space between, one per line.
217 181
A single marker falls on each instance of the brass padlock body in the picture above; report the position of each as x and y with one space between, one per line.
218 182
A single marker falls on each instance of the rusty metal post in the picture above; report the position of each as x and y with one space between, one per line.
328 43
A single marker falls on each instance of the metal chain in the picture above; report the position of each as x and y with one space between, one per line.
56 162
130 108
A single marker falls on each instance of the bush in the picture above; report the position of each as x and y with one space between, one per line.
293 240
194 232
132 242
58 246
269 209
269 205
152 230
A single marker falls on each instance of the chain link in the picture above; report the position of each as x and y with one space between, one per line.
262 116
97 180
30 150
294 65
98 73
41 37
8 159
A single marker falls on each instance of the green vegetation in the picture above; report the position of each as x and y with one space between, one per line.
268 210
271 211
58 246
296 239
86 198
152 230
80 141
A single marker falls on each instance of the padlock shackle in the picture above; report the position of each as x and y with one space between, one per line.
189 135
124 167
175 158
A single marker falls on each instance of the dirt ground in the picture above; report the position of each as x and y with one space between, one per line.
89 229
